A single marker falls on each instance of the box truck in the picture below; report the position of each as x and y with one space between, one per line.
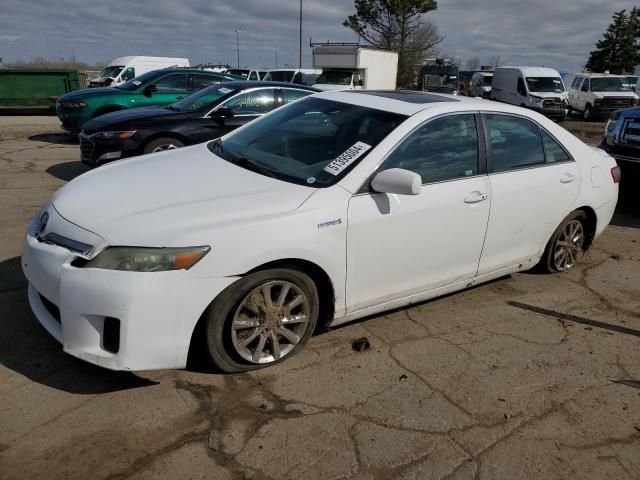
354 67
123 69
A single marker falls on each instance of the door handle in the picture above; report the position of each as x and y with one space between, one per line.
180 97
475 197
568 178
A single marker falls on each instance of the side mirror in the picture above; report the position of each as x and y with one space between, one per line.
149 89
360 83
398 181
223 112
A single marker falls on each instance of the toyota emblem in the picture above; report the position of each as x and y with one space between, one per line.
42 223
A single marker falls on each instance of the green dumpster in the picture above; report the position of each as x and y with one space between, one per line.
37 88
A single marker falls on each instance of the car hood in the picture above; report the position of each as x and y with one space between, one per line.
153 199
615 94
134 114
88 93
549 94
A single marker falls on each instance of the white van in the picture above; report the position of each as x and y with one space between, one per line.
480 85
123 69
301 76
538 88
597 95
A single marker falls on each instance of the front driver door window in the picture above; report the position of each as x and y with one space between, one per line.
248 106
533 184
401 245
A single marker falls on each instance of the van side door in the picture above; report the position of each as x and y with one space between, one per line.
521 89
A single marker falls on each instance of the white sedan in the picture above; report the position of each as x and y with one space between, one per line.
338 206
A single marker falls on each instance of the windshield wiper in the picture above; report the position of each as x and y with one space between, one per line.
245 163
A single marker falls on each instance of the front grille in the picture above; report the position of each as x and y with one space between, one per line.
86 148
631 132
68 243
52 308
618 102
552 104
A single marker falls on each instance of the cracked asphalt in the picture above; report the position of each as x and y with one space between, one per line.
531 376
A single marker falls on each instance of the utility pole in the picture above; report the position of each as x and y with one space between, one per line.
300 47
238 45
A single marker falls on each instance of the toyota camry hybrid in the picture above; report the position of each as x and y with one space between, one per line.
334 207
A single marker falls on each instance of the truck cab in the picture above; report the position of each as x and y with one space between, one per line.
354 67
439 76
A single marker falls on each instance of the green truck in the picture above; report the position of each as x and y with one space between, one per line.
36 89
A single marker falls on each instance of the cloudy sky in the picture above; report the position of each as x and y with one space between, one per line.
555 33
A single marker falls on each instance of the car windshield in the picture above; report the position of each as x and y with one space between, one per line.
203 99
136 82
435 81
313 142
279 76
545 84
610 84
487 80
335 77
112 71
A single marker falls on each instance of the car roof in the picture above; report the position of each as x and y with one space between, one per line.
533 71
245 84
406 102
600 75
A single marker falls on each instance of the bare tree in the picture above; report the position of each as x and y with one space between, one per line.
398 25
495 61
473 64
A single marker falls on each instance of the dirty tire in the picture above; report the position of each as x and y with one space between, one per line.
160 144
548 262
237 306
588 113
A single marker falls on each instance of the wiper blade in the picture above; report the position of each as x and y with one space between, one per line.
245 163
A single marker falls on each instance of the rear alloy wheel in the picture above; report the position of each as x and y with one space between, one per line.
262 319
567 245
162 144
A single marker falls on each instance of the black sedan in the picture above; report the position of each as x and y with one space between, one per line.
205 115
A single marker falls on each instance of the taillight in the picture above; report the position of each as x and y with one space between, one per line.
616 174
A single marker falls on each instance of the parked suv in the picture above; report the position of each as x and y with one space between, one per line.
159 87
622 135
598 95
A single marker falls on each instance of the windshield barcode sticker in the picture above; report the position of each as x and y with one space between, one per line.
346 158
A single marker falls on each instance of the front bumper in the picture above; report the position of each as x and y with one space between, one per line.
95 152
156 312
73 119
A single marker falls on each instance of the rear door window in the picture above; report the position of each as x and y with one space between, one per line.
175 83
256 102
553 151
515 142
201 81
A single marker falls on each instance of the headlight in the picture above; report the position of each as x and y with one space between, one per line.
141 259
73 104
534 99
597 102
112 135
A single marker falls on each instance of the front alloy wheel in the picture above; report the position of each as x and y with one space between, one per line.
261 319
270 321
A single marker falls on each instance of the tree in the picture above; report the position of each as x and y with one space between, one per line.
495 61
619 50
397 25
473 64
